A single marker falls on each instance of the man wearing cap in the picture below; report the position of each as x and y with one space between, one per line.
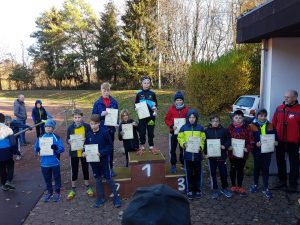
286 120
21 115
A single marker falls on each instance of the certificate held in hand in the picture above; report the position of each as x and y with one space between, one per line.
178 123
238 146
267 143
45 146
91 152
128 131
213 147
111 119
193 144
76 141
142 110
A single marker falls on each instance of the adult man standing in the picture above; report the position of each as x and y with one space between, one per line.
286 120
21 115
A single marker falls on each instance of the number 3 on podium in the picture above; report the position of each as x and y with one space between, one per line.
147 167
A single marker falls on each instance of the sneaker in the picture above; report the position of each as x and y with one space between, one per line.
234 189
154 150
4 188
71 195
98 202
215 194
226 192
56 197
190 195
142 148
10 185
117 202
173 169
198 195
113 174
90 192
253 188
18 157
242 192
267 193
47 197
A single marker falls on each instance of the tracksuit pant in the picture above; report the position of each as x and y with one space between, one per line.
173 142
237 171
47 173
262 163
75 167
213 165
40 130
193 172
147 125
7 170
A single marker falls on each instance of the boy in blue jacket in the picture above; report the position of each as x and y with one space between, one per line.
102 138
106 101
192 159
262 161
50 164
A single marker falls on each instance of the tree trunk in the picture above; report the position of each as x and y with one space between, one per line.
0 84
87 71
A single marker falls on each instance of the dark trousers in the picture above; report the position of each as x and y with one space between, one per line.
40 130
22 136
127 154
237 171
6 170
47 174
193 172
111 156
173 142
75 167
213 165
293 152
262 163
146 125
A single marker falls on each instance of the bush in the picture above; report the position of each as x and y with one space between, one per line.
211 86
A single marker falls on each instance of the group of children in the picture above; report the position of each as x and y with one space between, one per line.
96 132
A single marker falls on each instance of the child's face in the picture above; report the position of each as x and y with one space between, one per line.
178 101
38 105
238 119
125 117
262 117
77 119
215 122
105 93
192 119
49 130
146 84
94 125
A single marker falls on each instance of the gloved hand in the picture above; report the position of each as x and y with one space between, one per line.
44 121
38 149
30 128
54 147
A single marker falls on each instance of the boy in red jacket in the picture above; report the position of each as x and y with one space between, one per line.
176 111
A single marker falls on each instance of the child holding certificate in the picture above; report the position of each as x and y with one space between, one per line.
217 143
174 119
104 102
76 135
147 124
191 138
241 144
49 146
128 133
262 160
100 166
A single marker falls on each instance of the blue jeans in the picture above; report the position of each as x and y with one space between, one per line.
47 173
22 136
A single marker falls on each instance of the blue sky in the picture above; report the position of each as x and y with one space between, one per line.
17 21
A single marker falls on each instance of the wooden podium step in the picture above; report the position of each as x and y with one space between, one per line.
145 170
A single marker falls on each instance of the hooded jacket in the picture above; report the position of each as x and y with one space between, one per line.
7 146
191 130
38 114
20 110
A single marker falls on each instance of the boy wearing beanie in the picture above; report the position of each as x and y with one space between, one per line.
177 111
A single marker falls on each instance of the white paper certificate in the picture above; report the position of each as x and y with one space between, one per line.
213 147
267 143
45 146
76 141
193 145
92 153
111 119
142 110
128 131
178 123
238 146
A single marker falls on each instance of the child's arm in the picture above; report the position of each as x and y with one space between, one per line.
227 139
58 146
37 146
155 100
108 146
249 139
168 120
32 116
119 133
181 138
203 140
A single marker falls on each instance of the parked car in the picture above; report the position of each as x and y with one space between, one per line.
249 105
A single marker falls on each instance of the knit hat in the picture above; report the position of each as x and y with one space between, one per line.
178 95
157 205
262 111
38 102
144 78
50 123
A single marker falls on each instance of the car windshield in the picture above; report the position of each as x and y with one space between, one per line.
245 101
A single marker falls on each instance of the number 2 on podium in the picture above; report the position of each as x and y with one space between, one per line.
148 169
